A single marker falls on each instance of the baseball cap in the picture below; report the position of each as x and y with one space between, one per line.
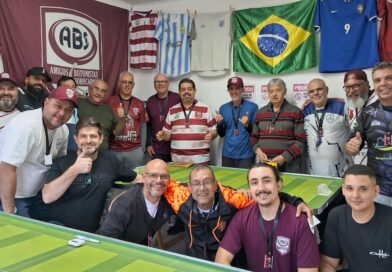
39 71
235 81
7 77
355 74
65 93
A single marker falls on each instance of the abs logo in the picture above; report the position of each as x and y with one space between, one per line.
71 44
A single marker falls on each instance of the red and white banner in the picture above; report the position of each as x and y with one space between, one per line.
83 39
300 94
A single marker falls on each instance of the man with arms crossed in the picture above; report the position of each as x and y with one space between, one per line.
273 238
360 231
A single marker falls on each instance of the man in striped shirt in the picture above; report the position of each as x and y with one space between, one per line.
190 126
278 132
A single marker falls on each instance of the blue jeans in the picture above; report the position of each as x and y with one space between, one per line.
23 205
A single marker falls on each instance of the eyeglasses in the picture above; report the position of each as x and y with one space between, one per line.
126 82
98 90
353 86
154 176
158 82
207 184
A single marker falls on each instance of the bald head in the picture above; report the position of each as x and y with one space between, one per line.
157 165
318 92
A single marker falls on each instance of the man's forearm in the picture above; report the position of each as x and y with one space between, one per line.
119 129
7 186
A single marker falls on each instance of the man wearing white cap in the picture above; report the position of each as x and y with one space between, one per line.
235 119
30 142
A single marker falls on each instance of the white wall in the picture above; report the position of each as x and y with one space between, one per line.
213 90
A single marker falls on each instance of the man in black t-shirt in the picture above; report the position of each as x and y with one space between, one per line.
360 231
77 184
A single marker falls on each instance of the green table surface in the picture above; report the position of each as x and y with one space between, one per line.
304 186
30 245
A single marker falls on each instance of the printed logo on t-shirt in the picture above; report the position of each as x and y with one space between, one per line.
381 254
283 245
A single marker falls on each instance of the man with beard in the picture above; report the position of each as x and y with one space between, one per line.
28 144
139 212
8 99
189 126
77 184
359 95
374 128
32 96
286 242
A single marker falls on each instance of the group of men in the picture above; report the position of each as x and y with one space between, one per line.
40 180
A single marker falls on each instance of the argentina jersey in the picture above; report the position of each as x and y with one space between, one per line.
174 46
348 34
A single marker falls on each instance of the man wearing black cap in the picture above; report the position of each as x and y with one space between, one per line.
8 99
34 93
235 119
29 143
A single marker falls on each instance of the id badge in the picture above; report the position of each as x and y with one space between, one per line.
48 159
268 261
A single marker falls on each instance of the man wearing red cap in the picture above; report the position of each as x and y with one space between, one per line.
29 143
359 95
235 119
8 99
375 128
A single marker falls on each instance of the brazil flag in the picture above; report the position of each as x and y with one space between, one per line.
274 40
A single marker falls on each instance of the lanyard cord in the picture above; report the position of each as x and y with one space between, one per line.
187 116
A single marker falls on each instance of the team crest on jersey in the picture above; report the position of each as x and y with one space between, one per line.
330 118
283 245
390 1
182 29
198 114
136 111
375 123
221 23
360 8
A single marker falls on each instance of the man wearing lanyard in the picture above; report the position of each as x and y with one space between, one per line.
278 131
358 96
31 140
284 242
157 107
327 132
190 126
234 122
129 145
375 128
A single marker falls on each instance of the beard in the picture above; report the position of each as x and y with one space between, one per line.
37 90
7 103
357 104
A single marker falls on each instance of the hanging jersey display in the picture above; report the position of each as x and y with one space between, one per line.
211 46
142 43
384 11
174 47
348 32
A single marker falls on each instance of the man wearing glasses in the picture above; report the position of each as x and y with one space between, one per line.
136 214
359 95
93 106
157 107
129 145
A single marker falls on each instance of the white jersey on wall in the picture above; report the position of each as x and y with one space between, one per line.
173 32
351 115
211 46
326 153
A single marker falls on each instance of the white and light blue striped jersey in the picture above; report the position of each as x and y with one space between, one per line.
173 32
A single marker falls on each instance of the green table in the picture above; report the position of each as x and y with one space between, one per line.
30 245
304 186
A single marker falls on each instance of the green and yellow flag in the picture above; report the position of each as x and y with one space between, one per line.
274 40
